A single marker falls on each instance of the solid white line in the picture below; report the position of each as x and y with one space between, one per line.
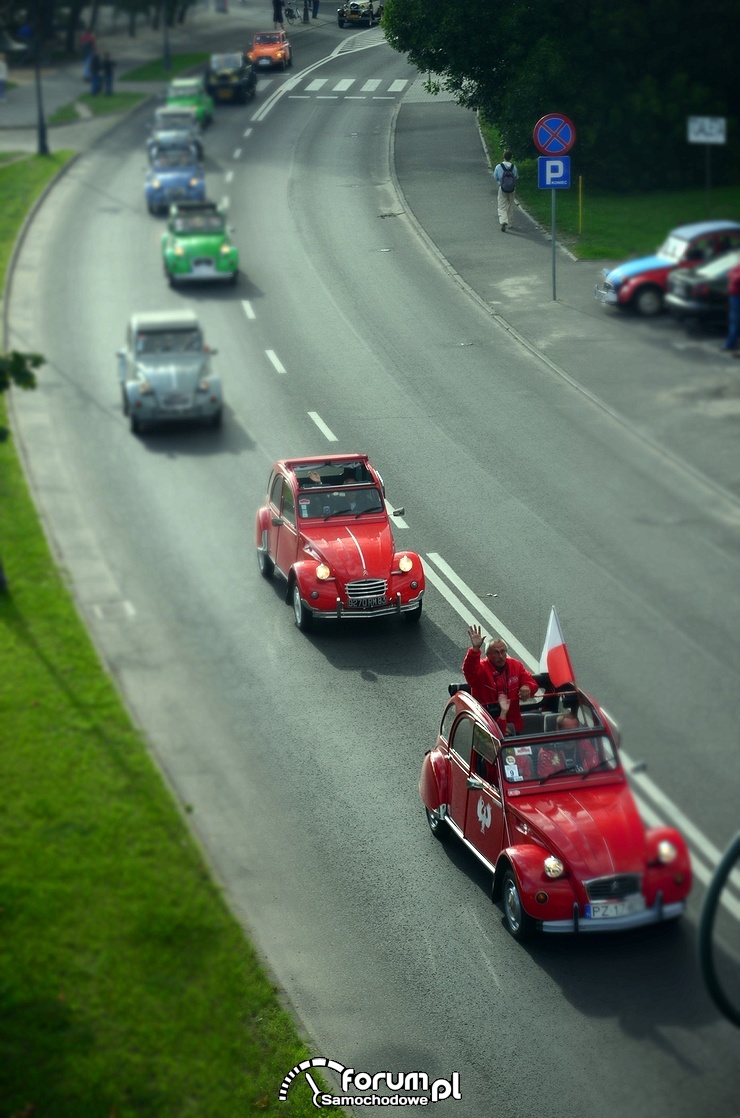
248 309
275 361
491 619
322 426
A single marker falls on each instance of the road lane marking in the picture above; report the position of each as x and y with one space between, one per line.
237 153
317 83
248 132
248 309
229 176
342 85
275 361
370 86
397 86
327 431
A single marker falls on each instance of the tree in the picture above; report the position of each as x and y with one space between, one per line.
18 368
627 73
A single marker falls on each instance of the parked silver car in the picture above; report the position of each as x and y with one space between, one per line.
165 371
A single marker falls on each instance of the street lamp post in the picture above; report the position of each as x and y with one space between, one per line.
166 61
43 147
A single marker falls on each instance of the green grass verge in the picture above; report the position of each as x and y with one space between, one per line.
155 71
100 105
597 225
127 988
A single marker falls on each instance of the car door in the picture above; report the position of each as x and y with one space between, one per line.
484 817
283 535
461 748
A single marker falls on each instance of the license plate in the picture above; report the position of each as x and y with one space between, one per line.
607 910
366 603
265 62
225 94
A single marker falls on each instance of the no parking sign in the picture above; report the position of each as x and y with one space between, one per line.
554 135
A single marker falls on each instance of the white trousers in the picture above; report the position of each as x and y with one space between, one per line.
505 207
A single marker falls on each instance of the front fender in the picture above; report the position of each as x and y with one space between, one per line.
434 780
556 894
262 524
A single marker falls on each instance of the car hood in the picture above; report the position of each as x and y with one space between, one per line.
596 830
174 372
633 268
174 176
264 50
206 245
355 550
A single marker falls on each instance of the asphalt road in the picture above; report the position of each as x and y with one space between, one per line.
525 483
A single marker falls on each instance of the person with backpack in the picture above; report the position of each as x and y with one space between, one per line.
506 175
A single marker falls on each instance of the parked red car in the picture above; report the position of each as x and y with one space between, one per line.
641 284
325 529
550 813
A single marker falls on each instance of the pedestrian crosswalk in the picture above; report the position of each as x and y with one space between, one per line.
333 89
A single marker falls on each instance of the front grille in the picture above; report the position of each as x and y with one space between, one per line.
366 588
176 400
613 888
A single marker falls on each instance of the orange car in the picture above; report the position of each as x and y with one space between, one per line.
270 49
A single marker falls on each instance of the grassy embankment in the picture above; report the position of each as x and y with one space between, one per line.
602 226
127 988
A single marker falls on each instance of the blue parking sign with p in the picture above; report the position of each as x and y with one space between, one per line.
553 172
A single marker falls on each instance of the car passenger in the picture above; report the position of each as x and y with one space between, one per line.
494 674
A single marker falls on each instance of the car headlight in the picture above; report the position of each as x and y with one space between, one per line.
667 852
205 385
554 867
405 563
145 389
194 181
225 249
156 184
323 572
179 250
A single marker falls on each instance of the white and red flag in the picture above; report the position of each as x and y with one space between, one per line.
555 659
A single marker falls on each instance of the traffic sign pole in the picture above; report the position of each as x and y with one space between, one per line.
554 136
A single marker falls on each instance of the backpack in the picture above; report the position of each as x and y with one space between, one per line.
508 179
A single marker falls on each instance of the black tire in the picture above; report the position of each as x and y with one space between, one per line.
124 400
234 278
413 615
265 564
520 925
216 419
303 616
170 278
437 825
648 300
341 23
134 424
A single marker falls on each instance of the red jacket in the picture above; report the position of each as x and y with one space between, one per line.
733 278
486 683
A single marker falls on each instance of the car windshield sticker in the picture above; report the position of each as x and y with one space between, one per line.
512 772
523 749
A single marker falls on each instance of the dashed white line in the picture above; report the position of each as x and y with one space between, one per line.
248 132
275 361
327 431
248 309
229 176
237 153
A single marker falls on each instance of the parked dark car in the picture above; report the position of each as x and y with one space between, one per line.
701 293
359 12
230 77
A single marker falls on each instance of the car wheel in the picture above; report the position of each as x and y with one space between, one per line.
124 401
437 825
234 278
648 301
341 23
170 278
134 424
264 562
303 616
517 921
216 419
413 614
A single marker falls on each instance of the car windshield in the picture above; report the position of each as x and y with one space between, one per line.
199 223
262 39
226 62
169 341
167 158
340 502
580 757
673 248
720 265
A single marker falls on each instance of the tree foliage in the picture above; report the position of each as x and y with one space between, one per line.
628 74
18 368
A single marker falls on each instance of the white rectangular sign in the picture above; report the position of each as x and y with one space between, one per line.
707 129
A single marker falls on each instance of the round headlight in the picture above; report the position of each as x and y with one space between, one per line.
554 867
666 852
405 563
323 572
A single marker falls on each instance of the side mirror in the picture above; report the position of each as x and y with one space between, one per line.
399 512
277 521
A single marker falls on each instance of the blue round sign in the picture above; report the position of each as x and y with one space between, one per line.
554 134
